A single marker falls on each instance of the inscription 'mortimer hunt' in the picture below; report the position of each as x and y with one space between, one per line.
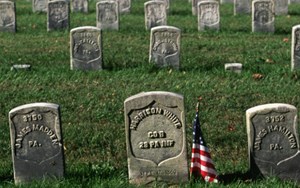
155 138
273 140
36 141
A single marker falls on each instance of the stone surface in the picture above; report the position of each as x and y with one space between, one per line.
7 16
155 14
80 6
156 138
208 15
86 48
242 7
273 143
107 13
165 46
281 7
36 142
124 6
295 52
39 5
21 67
58 15
234 67
167 4
194 6
263 16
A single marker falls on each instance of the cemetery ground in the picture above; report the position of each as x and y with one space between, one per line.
91 102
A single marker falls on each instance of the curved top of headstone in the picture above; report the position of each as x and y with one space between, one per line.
266 108
85 27
34 105
172 28
153 2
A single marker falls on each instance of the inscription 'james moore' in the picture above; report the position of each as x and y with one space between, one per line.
36 142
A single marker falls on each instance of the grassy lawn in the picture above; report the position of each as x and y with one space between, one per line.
92 102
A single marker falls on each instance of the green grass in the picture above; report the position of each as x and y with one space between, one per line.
92 102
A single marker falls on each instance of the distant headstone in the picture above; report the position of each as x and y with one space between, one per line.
36 142
263 16
86 48
281 7
273 140
208 15
242 7
194 6
80 6
156 138
226 1
7 16
295 59
107 15
165 46
39 5
124 6
26 67
234 67
155 14
58 15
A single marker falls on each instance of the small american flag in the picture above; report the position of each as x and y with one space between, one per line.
201 163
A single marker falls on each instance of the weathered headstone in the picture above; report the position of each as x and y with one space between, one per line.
234 67
263 16
58 15
39 5
155 14
80 6
107 13
156 138
194 6
165 46
124 6
295 59
167 4
273 140
208 15
7 16
86 48
281 7
242 7
36 142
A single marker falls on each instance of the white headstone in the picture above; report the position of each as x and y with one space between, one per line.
155 14
295 54
58 15
263 16
80 6
107 13
39 5
7 16
208 15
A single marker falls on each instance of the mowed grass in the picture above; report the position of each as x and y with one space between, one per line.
92 102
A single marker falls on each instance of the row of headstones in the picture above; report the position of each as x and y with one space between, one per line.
155 139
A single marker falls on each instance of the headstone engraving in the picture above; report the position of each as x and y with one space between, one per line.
155 14
208 15
80 6
155 138
36 142
107 15
7 16
165 46
295 59
242 7
263 16
281 7
273 140
86 48
39 5
58 15
124 6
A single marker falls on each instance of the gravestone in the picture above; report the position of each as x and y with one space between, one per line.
234 67
155 14
86 48
281 7
124 6
58 15
39 5
242 7
273 143
156 138
263 16
167 4
194 6
107 13
208 15
80 6
165 46
295 59
7 16
36 142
